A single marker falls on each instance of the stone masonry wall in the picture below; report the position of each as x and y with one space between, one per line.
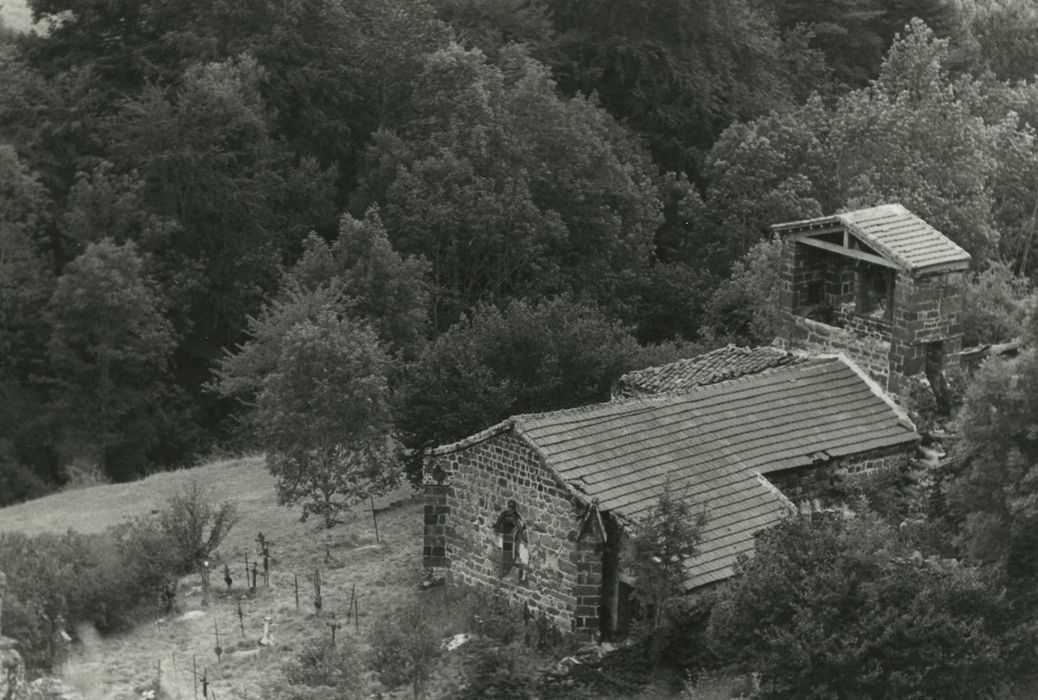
562 579
870 349
927 309
926 321
823 481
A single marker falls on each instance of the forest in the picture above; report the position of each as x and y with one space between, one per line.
500 206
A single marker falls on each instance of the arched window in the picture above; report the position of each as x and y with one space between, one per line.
511 539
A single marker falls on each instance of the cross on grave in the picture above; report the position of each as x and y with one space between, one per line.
169 594
267 639
3 589
317 591
255 573
202 677
334 626
62 641
205 583
264 545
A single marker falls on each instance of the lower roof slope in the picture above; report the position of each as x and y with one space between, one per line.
713 443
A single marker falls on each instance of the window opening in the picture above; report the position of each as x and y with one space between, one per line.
875 292
512 540
815 292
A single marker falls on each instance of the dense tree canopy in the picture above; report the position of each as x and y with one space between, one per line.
479 158
109 349
915 136
994 490
466 183
499 362
836 608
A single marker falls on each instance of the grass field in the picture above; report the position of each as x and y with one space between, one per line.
386 575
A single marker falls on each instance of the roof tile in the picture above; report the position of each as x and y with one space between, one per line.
895 233
715 366
712 441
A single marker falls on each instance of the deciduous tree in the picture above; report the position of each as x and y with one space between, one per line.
324 416
466 183
661 552
995 489
837 608
498 362
109 350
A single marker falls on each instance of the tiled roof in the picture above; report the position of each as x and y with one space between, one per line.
712 443
895 233
717 365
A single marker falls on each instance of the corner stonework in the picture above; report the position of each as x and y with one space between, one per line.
587 558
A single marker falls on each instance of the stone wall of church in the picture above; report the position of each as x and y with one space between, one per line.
466 492
827 482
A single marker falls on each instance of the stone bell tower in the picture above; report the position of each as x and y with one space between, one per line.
879 284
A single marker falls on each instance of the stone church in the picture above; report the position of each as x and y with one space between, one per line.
537 507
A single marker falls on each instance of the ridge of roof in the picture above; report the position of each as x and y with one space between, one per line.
895 233
632 404
474 439
726 362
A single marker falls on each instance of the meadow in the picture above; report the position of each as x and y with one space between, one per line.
385 575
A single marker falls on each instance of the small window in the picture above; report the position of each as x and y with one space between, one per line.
815 292
875 292
511 539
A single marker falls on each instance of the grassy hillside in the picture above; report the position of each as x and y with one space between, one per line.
385 576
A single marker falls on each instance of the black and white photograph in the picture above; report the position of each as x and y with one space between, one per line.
518 350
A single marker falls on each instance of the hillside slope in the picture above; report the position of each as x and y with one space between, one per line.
385 575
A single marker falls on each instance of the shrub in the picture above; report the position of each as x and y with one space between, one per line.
994 306
836 608
148 555
405 648
103 580
80 578
683 641
922 403
320 671
667 538
491 616
82 473
500 672
195 525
